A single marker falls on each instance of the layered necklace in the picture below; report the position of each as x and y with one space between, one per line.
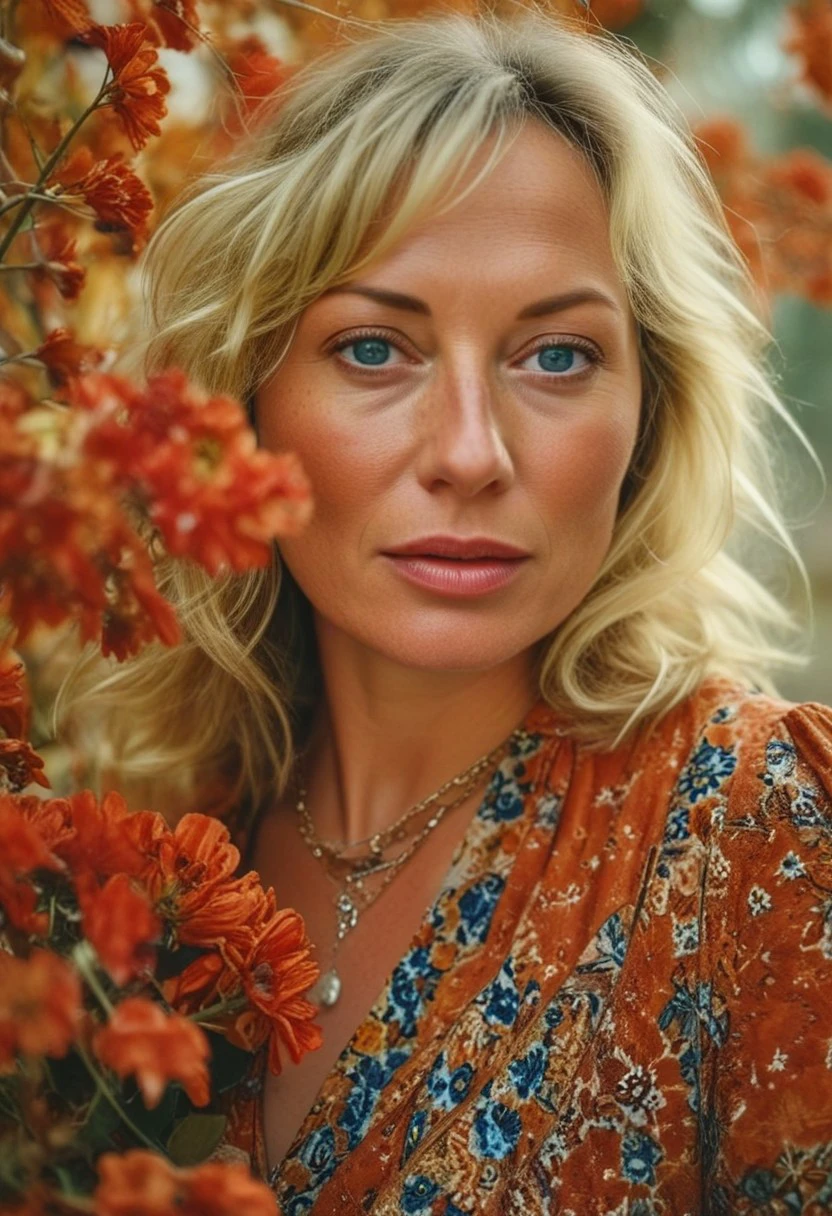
349 874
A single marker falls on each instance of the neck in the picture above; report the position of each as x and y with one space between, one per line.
377 748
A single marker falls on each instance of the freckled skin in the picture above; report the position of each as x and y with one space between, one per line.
465 428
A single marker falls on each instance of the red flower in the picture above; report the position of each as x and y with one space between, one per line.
139 1183
64 358
69 17
257 73
811 39
120 923
50 817
803 172
175 21
722 143
21 765
40 1006
23 852
55 250
101 843
274 975
119 198
615 13
216 497
141 1040
227 1190
137 92
15 704
190 879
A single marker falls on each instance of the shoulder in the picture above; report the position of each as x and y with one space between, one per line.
756 790
752 808
756 755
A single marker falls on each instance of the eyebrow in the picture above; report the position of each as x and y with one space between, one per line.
567 299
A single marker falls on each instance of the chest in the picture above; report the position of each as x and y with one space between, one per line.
367 955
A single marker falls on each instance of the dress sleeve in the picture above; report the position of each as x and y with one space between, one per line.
766 1015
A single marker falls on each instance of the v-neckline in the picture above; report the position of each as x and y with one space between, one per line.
539 715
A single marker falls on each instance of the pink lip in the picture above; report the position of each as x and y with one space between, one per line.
481 547
453 577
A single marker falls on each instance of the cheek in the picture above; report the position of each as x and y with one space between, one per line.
340 463
580 472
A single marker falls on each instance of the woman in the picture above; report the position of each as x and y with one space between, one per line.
474 273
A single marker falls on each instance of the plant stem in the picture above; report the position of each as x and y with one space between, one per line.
50 163
18 199
104 1089
232 1006
83 959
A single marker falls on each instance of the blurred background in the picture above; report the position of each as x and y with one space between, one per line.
767 66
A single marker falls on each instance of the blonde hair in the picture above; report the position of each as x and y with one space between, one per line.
398 114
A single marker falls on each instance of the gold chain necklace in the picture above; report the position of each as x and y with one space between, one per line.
349 874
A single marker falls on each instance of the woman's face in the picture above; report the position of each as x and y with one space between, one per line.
461 404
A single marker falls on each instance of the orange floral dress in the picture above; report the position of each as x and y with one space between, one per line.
620 1002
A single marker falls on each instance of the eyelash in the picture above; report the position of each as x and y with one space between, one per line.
593 355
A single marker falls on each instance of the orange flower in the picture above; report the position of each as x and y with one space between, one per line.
722 143
50 817
615 13
68 17
120 923
216 496
137 92
176 21
15 703
21 765
64 358
274 975
811 39
207 979
101 842
40 1006
22 852
55 249
257 73
227 1190
192 864
805 173
22 849
119 198
138 1183
141 1039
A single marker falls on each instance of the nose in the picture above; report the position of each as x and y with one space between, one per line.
463 443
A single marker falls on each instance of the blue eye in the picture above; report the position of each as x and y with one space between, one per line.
369 352
372 350
557 358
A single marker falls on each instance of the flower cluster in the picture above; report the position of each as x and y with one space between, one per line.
187 463
778 208
141 971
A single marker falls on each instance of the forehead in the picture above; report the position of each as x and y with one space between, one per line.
539 212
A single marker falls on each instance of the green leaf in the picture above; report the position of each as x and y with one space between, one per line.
195 1138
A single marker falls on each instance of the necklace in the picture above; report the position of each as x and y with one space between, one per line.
348 874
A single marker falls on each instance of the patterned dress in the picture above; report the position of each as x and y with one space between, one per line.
620 1002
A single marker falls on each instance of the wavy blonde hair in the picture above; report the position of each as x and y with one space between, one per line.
363 142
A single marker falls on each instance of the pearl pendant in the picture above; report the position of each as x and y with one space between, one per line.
326 990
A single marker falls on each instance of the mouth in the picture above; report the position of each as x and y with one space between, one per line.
456 576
